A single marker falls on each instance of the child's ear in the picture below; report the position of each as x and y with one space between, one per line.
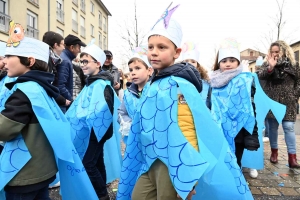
31 61
177 53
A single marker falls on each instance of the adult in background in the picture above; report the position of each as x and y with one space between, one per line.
282 74
108 66
65 69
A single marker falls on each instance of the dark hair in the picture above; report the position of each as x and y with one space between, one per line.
163 36
216 65
138 60
38 65
86 54
51 38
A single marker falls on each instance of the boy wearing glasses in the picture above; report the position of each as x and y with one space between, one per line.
91 116
65 69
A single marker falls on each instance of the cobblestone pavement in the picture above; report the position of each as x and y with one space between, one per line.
275 182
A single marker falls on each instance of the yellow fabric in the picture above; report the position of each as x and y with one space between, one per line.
186 122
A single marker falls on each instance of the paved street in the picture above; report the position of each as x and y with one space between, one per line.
275 182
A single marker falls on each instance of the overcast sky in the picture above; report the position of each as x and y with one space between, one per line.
207 22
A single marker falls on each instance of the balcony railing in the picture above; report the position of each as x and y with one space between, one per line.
35 2
4 22
32 32
75 2
82 31
100 23
82 6
104 28
74 26
60 15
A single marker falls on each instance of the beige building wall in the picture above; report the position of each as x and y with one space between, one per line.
296 48
61 19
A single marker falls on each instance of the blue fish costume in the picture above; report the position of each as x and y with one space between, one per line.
155 134
232 109
90 111
75 183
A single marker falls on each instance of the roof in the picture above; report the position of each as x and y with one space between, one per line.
104 7
298 42
260 53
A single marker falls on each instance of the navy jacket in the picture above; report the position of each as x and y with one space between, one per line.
65 74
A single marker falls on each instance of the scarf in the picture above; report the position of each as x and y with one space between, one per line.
220 79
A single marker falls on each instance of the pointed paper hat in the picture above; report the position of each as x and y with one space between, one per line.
190 51
259 61
141 53
229 48
167 27
2 48
18 45
97 53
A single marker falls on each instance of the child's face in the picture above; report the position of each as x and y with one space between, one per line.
228 63
1 63
14 67
192 62
89 66
161 52
139 74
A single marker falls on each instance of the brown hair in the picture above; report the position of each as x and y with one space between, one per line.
85 54
163 36
201 70
137 60
38 65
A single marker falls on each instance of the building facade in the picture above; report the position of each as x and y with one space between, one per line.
87 19
296 48
251 55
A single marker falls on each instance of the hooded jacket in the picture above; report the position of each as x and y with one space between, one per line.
19 117
115 74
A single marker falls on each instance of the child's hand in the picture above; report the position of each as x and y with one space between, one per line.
189 197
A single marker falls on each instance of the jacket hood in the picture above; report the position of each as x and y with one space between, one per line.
182 70
104 75
44 79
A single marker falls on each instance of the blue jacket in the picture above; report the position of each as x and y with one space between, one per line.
65 74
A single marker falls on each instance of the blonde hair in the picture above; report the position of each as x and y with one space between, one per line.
285 49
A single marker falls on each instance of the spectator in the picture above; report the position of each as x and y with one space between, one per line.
108 66
78 78
65 69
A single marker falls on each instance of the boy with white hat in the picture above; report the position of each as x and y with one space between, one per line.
95 107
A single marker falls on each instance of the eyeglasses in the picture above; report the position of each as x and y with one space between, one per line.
85 62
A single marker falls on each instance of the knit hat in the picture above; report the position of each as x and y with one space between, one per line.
168 27
18 45
190 51
97 53
229 48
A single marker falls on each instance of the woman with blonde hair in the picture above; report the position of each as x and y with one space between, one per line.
282 76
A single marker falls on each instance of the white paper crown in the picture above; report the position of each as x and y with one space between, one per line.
229 48
259 61
2 48
167 27
97 53
141 53
190 51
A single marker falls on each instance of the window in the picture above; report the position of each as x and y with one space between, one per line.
104 24
297 56
104 43
3 6
32 30
92 30
60 31
82 5
60 10
251 53
100 20
4 18
35 2
92 7
74 21
100 40
82 26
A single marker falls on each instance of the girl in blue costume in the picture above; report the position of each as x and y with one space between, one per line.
140 72
190 54
33 128
91 116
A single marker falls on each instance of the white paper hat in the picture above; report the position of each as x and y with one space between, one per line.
18 45
2 48
141 53
168 27
190 51
259 61
97 53
229 48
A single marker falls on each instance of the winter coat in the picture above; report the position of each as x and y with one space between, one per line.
115 73
65 75
282 85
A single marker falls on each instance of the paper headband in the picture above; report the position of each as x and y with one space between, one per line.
229 48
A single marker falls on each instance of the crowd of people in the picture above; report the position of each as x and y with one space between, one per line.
66 109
